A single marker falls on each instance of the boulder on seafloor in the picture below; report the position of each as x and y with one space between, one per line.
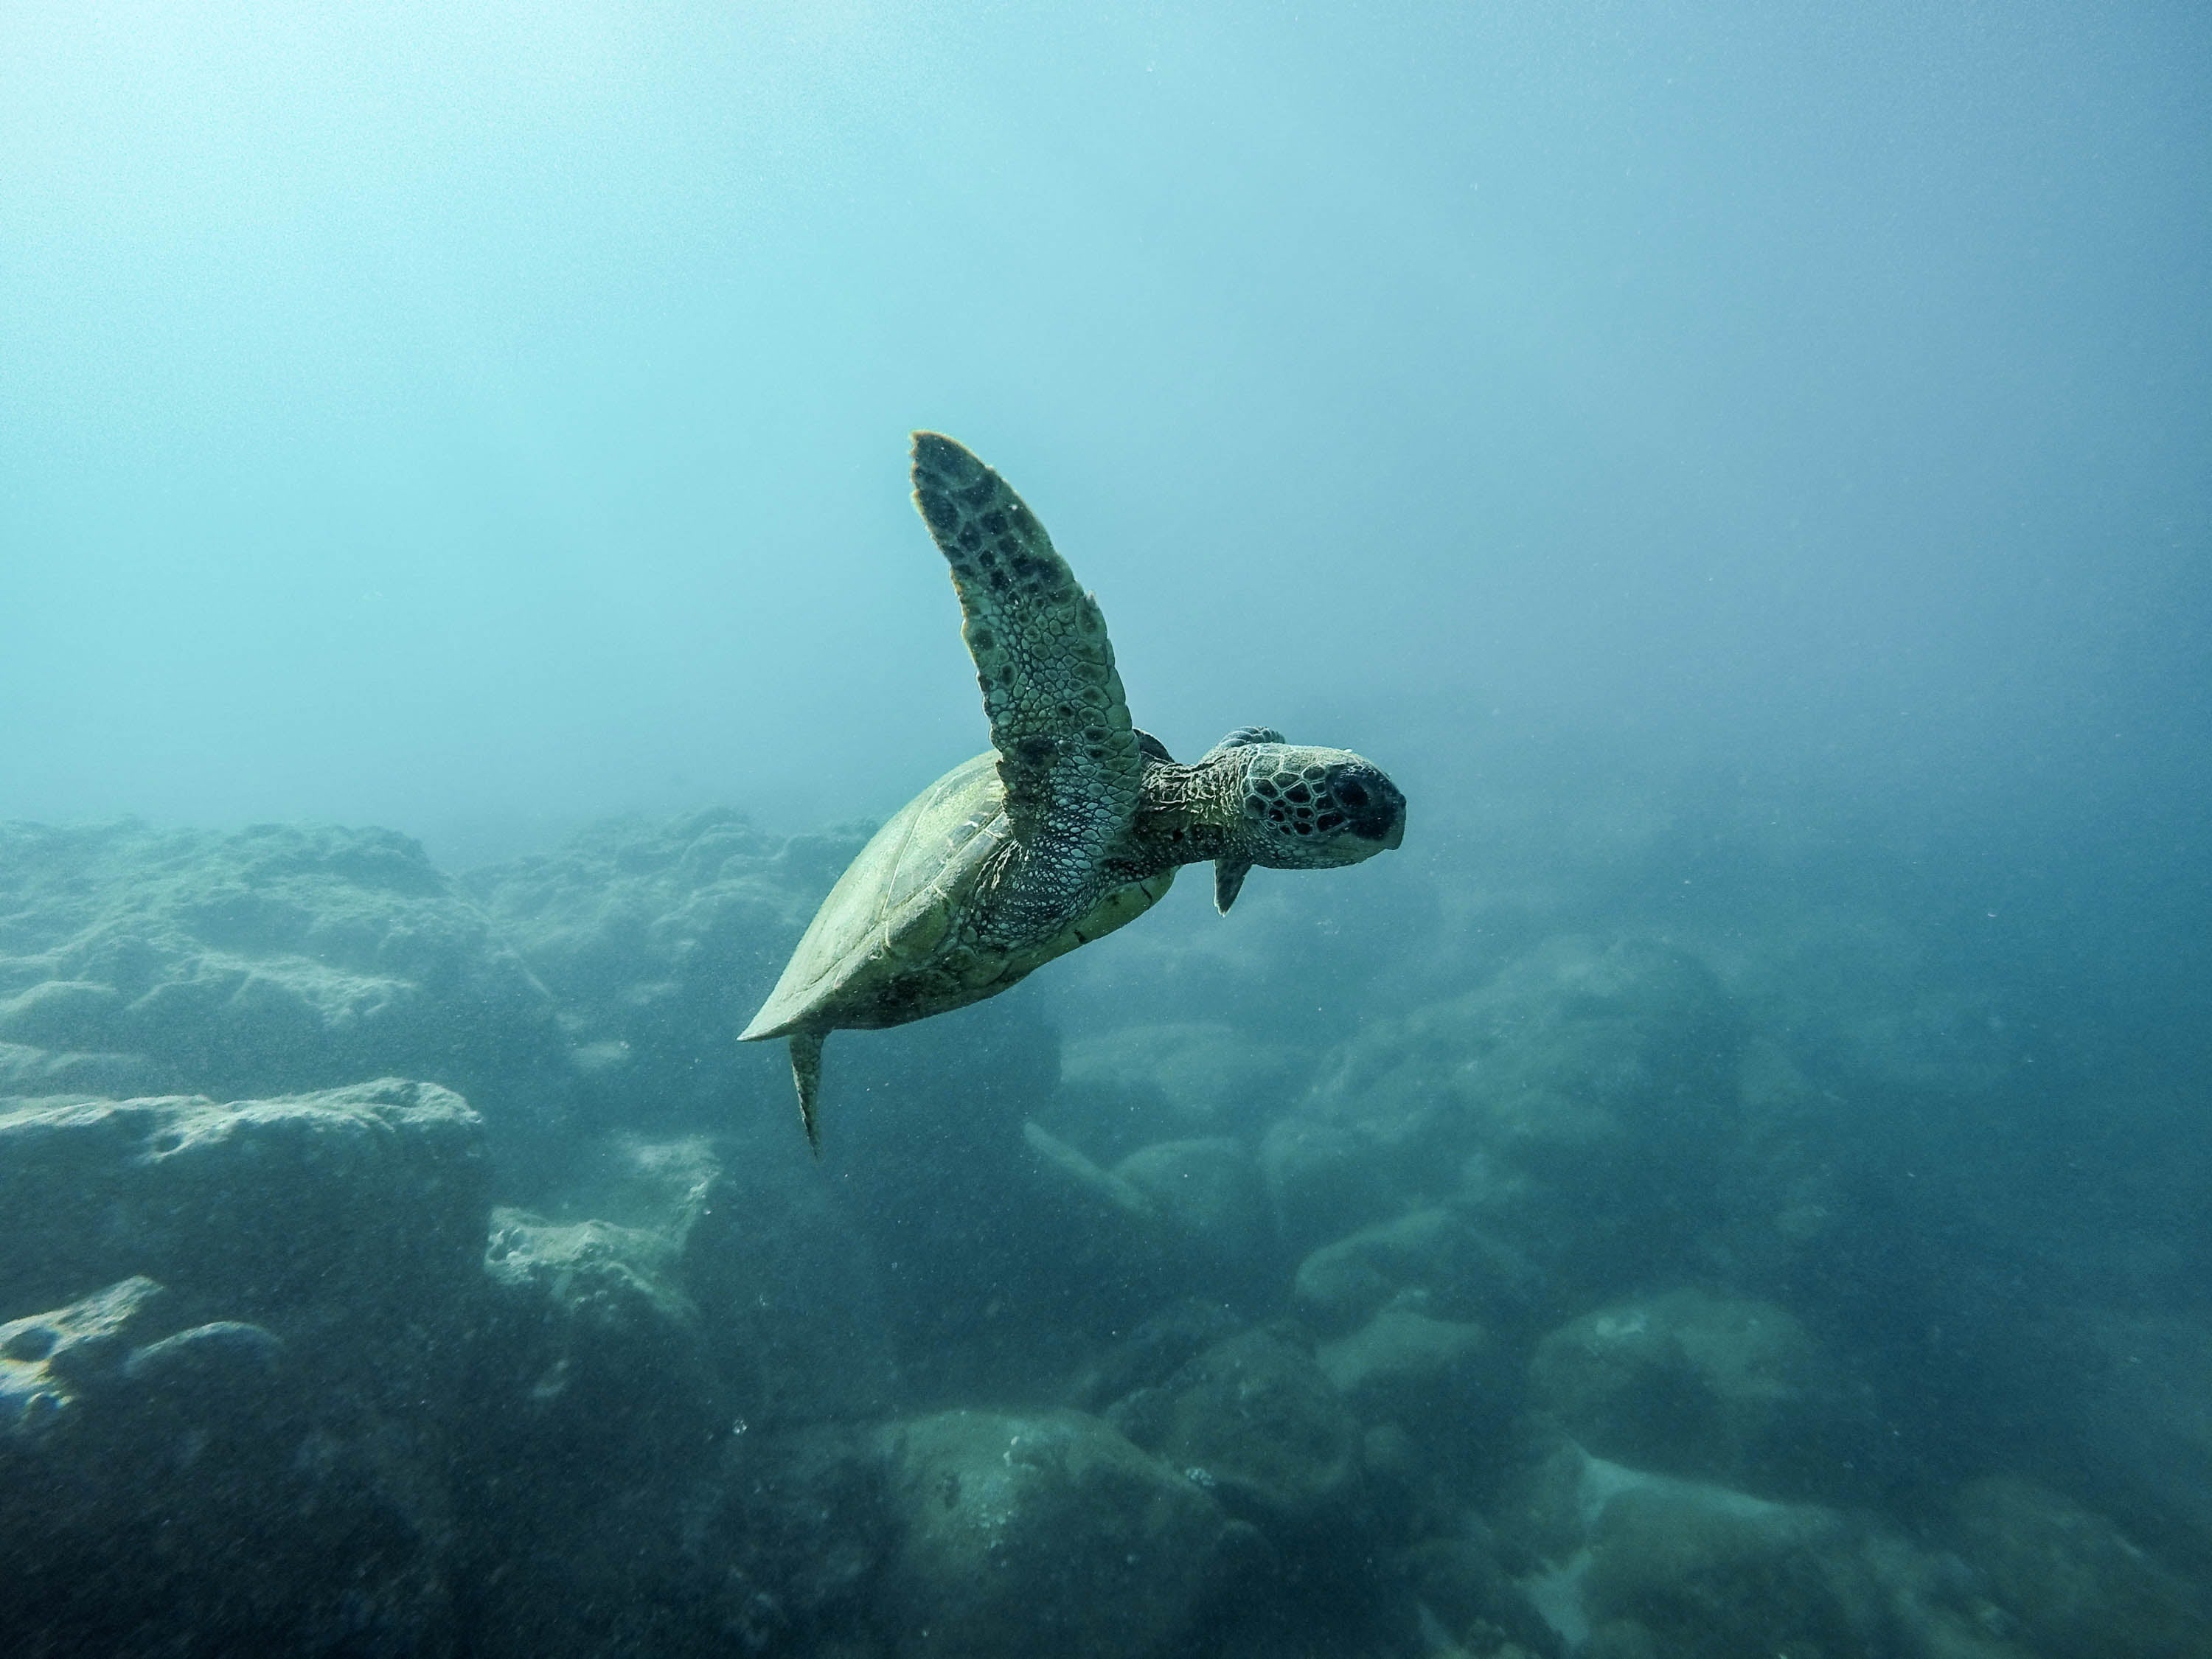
1459 1579
184 1488
1256 1420
1580 1069
1711 1578
1434 1259
659 940
2078 1587
1209 1195
275 958
592 1344
729 1291
1442 1380
2131 1418
1641 1562
1632 1563
1046 1533
330 1211
633 1477
1691 1383
1186 1080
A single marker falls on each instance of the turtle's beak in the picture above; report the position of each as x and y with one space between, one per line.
1382 818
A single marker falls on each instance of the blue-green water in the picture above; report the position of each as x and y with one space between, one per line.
1732 1183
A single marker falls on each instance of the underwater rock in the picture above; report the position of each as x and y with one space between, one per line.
1114 1223
798 1319
624 1493
2135 1424
1325 1180
659 939
1710 1578
1159 1346
1044 1533
1691 1383
1188 1080
1255 1420
1648 1563
1209 1195
591 1343
2078 1587
1580 1069
1469 1592
1633 1563
336 1212
191 1492
795 1546
1862 1000
274 959
1441 1381
1434 1258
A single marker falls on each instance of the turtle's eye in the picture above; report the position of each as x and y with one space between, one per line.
1352 792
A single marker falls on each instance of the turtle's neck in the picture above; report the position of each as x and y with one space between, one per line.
1185 815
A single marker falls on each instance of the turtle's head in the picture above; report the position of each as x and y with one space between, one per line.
1309 809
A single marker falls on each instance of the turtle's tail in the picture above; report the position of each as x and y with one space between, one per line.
806 1072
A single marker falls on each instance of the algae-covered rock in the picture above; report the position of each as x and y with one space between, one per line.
1043 1534
1256 1420
1691 1383
2079 1587
274 959
341 1207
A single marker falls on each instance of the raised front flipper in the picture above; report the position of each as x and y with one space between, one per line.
1067 755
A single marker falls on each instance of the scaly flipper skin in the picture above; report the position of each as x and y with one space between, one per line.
806 1075
1067 754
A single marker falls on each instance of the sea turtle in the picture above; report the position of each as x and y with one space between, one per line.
1074 822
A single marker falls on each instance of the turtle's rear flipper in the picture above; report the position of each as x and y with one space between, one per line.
806 1072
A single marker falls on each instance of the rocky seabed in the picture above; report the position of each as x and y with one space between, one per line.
396 1264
